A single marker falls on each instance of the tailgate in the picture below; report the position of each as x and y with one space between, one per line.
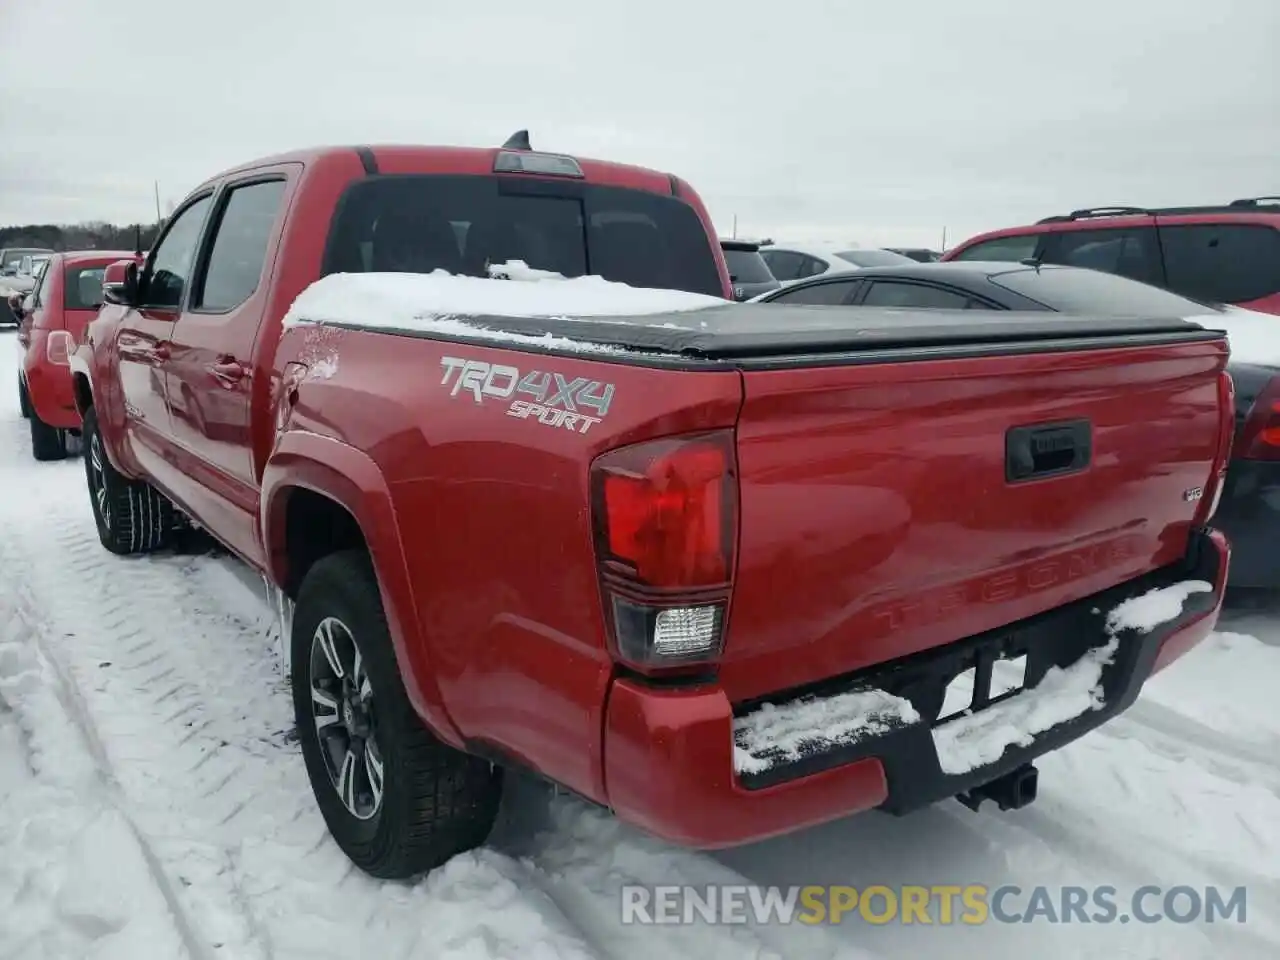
891 507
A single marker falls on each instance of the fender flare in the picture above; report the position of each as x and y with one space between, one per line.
105 397
351 479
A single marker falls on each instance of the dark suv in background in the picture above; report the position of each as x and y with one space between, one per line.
748 273
1223 254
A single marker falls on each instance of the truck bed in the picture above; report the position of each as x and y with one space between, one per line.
905 478
774 335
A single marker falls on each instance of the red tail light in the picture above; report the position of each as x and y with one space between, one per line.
666 524
1260 438
58 347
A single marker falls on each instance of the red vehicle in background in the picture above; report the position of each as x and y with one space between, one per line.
1227 254
64 300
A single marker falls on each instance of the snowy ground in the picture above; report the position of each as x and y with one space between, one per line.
153 805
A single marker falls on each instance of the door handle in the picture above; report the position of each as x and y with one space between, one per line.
229 371
161 351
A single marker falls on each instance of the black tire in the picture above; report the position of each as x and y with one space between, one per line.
132 516
47 443
435 801
24 400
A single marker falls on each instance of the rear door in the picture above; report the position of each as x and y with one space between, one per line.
211 377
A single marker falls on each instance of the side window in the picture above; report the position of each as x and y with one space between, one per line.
829 293
1227 263
1129 252
889 293
783 264
170 266
812 266
1002 249
239 246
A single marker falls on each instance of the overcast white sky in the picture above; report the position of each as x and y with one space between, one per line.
849 120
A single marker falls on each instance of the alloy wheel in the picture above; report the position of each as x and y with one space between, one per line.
346 725
98 480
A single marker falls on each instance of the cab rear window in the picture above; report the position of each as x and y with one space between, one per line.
467 224
83 288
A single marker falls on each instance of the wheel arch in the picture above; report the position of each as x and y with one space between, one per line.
320 495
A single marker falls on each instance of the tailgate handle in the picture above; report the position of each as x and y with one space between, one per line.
1047 450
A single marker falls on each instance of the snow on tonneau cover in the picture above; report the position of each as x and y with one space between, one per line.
906 478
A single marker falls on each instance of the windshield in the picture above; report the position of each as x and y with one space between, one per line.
1080 290
468 224
18 259
874 258
747 266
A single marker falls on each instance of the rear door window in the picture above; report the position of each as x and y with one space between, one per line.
1131 252
894 293
1223 263
829 293
239 246
469 224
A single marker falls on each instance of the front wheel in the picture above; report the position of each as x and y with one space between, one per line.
397 800
132 516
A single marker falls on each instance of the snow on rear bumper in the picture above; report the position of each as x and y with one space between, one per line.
687 766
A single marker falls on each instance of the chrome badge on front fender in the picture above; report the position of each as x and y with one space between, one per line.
554 401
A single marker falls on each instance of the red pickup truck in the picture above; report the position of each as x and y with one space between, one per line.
534 494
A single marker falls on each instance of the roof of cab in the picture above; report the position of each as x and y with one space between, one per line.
399 153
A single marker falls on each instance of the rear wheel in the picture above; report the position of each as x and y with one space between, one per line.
397 801
131 515
24 401
47 443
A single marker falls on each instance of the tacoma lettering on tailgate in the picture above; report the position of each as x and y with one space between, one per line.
555 401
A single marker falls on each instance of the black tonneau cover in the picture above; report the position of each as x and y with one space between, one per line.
758 333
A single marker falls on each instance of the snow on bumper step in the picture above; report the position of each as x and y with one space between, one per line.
1086 663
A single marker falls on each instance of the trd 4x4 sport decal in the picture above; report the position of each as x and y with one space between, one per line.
554 401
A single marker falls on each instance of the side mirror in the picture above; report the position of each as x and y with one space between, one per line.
9 271
120 283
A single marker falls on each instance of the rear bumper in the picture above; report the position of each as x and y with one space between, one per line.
1249 514
670 752
50 388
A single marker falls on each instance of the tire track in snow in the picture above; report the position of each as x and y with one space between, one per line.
119 720
1181 737
21 639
